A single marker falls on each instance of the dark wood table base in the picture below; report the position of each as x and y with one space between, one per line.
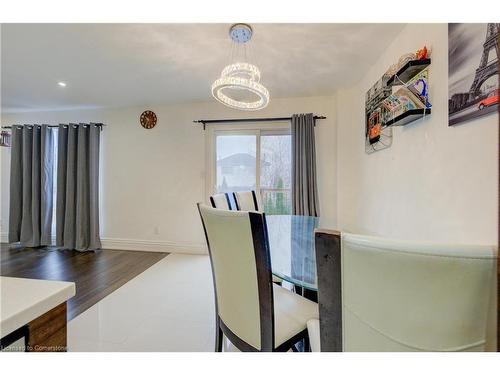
47 333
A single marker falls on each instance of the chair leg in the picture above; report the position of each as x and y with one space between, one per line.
219 336
303 345
307 344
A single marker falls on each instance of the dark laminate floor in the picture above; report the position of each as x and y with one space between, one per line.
96 274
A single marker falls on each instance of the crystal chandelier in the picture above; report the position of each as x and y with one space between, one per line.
240 76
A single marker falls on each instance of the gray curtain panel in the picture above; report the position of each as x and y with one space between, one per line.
77 210
31 189
304 185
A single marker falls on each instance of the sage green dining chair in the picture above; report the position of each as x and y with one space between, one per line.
378 294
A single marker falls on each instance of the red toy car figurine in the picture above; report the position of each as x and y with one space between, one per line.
491 99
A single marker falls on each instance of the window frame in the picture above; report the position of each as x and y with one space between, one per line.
258 129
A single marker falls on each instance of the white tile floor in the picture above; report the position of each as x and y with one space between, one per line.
169 307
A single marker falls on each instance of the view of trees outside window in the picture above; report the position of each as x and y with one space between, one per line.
236 168
275 174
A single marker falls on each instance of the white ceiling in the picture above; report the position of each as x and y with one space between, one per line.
115 65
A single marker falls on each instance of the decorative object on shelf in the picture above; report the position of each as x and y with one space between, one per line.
401 96
402 101
5 139
374 126
239 83
148 119
419 86
422 54
377 136
472 71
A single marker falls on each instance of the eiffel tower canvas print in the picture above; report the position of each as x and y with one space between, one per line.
472 71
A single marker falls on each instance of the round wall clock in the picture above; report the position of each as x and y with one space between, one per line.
148 119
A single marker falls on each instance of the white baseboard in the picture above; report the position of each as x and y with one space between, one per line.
155 246
143 245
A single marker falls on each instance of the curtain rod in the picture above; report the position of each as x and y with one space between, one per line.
51 126
268 119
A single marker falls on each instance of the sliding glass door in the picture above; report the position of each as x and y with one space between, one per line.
236 164
255 159
275 173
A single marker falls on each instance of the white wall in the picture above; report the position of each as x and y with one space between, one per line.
152 179
435 183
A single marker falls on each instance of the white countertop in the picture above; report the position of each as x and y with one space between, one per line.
22 300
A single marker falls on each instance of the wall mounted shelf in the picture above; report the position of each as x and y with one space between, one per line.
409 70
408 116
407 88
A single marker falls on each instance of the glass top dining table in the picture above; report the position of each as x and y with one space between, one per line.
291 242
